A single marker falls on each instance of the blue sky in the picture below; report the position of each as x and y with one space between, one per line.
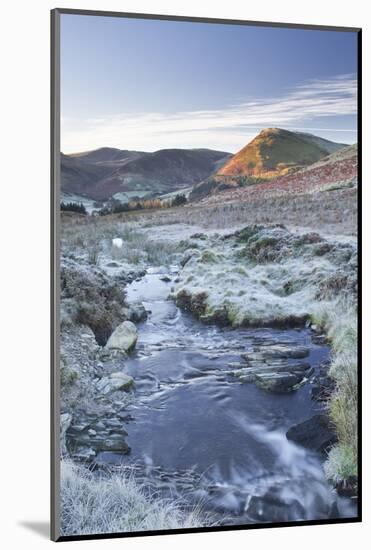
149 85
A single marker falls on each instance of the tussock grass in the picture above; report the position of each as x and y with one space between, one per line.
92 237
116 503
339 320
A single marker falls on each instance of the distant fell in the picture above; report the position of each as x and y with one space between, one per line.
276 152
113 173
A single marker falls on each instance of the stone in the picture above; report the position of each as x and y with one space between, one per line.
319 339
113 423
106 355
114 382
347 487
296 352
165 278
124 337
137 312
323 387
272 507
201 236
118 445
78 428
84 453
316 433
282 382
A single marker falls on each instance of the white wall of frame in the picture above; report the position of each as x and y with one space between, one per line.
24 306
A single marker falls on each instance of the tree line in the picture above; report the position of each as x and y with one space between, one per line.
116 207
142 204
73 207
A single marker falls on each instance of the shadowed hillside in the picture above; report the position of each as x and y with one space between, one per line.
106 172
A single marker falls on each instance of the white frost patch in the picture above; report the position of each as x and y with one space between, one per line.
117 242
257 293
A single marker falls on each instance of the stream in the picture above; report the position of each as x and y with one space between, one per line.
196 431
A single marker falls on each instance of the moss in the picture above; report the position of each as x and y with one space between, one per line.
234 316
240 270
208 257
183 299
68 375
247 232
198 303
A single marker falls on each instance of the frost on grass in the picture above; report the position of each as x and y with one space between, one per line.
264 276
339 320
100 240
269 276
116 502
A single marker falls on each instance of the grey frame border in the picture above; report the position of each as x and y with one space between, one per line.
55 272
55 268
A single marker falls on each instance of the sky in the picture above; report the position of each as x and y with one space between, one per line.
148 85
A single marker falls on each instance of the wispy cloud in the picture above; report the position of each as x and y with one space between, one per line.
228 128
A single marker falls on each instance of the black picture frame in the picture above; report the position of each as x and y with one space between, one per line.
55 267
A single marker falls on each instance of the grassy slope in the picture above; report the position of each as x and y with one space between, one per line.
274 152
332 171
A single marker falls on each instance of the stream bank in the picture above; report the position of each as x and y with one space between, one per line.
208 413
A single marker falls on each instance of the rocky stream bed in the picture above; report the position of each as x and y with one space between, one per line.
233 418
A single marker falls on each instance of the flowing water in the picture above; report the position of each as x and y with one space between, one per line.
197 431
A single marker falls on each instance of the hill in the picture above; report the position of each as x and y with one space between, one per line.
271 154
335 171
108 172
275 152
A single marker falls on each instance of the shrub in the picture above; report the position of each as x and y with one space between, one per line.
179 200
97 302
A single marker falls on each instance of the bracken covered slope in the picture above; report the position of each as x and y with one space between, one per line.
276 152
337 169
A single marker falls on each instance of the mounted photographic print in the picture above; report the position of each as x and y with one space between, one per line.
204 274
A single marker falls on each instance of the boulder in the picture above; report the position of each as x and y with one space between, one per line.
281 382
201 236
114 382
273 507
315 433
165 278
137 312
347 487
124 337
277 351
117 445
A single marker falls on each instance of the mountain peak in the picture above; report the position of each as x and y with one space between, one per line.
275 152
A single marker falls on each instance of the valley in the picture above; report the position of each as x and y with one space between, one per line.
209 350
